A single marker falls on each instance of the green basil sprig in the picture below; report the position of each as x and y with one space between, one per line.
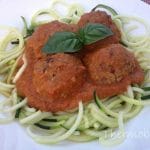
72 42
92 33
63 42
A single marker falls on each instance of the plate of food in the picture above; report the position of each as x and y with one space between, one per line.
74 74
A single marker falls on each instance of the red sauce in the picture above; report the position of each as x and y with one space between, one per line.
58 82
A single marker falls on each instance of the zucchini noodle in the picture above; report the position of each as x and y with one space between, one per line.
52 140
121 136
99 119
19 73
74 11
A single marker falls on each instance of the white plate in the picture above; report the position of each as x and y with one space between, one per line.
14 137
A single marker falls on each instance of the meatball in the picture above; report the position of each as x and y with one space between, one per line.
52 83
110 65
102 18
43 32
112 69
57 76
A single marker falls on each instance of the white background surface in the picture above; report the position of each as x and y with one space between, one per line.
14 137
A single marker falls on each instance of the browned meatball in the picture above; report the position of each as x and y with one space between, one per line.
102 18
43 32
57 76
52 83
110 65
112 69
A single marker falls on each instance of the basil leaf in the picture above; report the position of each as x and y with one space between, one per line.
72 42
94 32
63 42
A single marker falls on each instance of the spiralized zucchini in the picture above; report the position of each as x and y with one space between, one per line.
96 120
74 11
